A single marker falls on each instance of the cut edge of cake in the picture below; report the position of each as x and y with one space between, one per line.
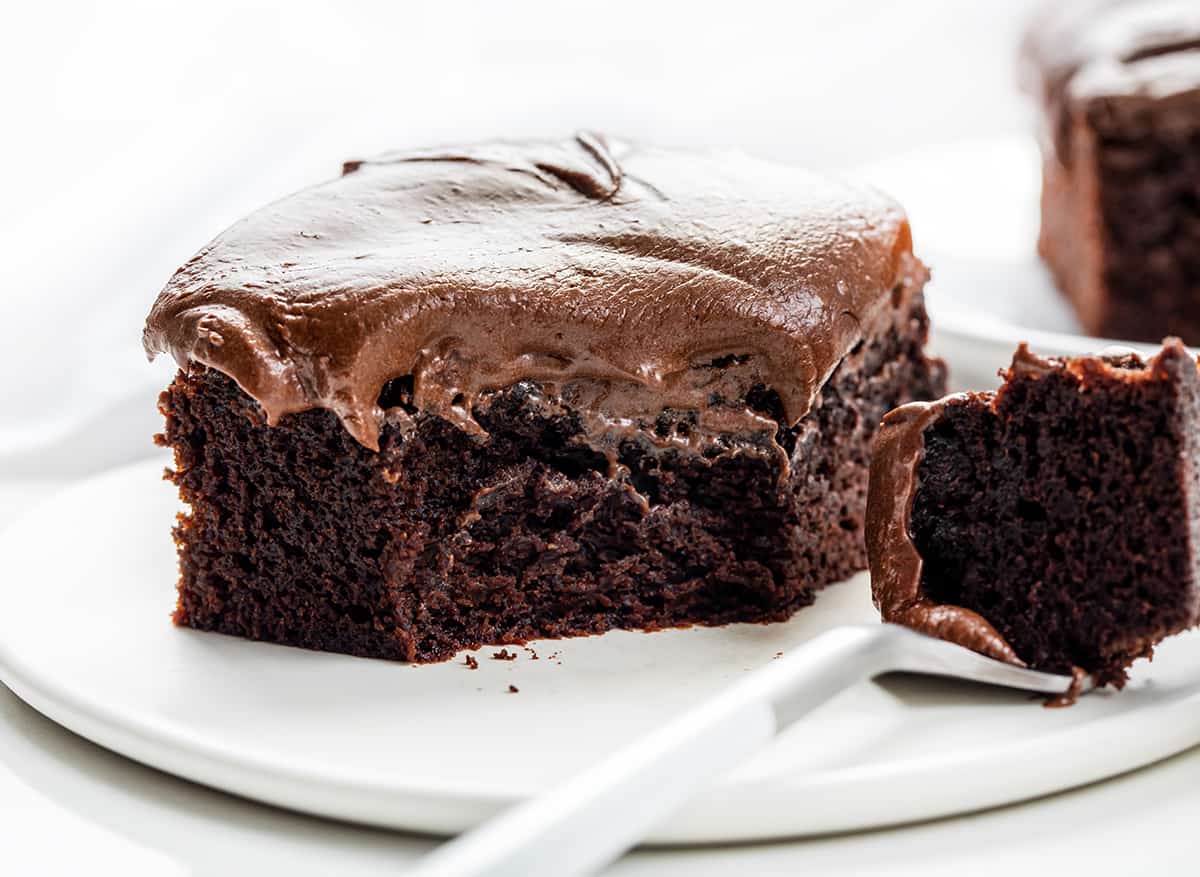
933 574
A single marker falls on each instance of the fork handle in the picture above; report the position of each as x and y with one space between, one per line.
582 825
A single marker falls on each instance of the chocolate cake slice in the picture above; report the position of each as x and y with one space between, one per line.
1119 86
1053 523
519 390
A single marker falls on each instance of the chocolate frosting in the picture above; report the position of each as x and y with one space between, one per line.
1086 49
893 558
583 260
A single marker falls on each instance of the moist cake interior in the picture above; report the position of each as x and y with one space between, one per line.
1064 510
440 541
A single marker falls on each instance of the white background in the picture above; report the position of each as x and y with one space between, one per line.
136 131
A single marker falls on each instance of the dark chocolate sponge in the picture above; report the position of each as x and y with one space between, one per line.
300 535
1053 523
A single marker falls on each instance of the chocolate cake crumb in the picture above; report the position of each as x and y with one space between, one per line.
471 662
1071 695
504 655
512 689
674 538
1054 523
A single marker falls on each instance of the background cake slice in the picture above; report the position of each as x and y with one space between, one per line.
520 390
1053 523
1119 86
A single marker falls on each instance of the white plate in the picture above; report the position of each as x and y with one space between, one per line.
974 212
85 638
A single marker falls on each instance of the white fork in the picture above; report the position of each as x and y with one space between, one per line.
594 817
